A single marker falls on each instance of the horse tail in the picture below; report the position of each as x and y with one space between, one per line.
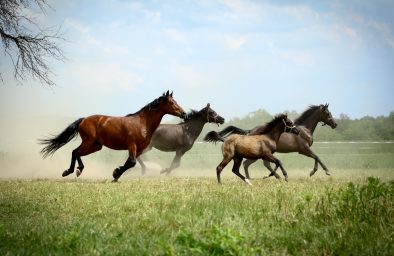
56 142
213 136
232 130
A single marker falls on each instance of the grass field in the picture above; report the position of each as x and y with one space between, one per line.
189 214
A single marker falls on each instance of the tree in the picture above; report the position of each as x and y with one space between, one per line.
29 46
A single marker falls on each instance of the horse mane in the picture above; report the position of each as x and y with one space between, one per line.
307 113
154 104
193 114
263 129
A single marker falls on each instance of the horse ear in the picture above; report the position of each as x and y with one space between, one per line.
208 105
171 94
167 93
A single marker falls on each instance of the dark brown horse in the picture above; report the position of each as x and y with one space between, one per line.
288 142
132 132
181 137
236 147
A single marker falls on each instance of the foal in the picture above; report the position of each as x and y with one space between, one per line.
236 147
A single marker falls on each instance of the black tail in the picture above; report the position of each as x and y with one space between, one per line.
53 144
232 130
213 136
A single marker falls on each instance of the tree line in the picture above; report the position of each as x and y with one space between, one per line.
367 128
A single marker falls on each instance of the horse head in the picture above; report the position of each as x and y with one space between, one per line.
326 116
289 125
211 116
170 106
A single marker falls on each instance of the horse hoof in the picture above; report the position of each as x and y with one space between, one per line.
286 179
327 173
164 171
79 172
311 173
114 180
248 182
66 173
115 174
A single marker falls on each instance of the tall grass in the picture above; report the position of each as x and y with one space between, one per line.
195 216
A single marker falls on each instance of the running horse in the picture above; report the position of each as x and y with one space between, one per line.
132 132
288 142
181 137
262 146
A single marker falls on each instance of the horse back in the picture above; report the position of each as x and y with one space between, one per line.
250 146
112 132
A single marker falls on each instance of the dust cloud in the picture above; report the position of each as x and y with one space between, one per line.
20 156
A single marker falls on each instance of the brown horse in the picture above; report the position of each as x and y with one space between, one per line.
288 142
132 132
181 137
236 147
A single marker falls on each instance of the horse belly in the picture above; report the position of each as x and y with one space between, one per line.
112 135
287 143
249 150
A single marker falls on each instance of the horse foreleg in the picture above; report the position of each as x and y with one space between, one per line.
272 172
237 164
130 162
246 165
121 169
176 162
276 161
309 153
143 167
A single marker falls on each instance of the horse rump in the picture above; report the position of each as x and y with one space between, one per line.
56 142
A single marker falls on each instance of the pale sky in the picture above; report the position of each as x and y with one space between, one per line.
239 56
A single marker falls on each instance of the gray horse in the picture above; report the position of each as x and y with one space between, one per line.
181 137
289 142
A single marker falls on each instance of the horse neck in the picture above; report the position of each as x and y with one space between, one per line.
194 127
311 121
275 133
152 119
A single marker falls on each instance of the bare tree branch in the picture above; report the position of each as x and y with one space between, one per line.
29 52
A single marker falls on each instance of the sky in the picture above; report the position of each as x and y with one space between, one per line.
239 56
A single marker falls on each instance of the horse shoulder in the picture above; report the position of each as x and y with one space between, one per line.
306 135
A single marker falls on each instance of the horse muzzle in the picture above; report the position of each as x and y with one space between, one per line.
183 115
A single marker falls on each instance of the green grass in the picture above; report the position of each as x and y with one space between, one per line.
344 214
181 216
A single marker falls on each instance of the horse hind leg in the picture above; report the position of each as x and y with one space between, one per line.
83 150
74 156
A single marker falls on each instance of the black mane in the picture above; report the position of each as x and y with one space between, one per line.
193 114
153 105
270 125
306 114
